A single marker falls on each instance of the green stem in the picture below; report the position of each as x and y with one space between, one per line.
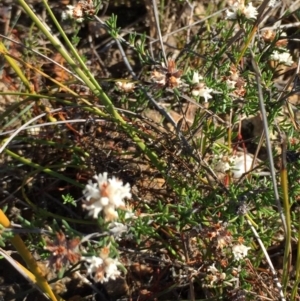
41 168
71 47
20 246
97 90
15 66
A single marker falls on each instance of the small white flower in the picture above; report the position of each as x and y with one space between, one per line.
111 269
91 191
230 83
212 269
116 229
240 251
94 208
249 11
196 78
102 268
213 279
272 3
199 88
101 178
129 214
240 165
33 131
67 14
282 57
202 91
231 13
117 192
92 264
223 163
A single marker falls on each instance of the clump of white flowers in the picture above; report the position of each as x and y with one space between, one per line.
102 268
239 8
282 57
199 87
214 275
241 165
72 13
83 9
240 251
238 164
106 195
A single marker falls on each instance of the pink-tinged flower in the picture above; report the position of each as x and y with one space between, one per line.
84 8
111 269
219 235
102 268
73 12
106 195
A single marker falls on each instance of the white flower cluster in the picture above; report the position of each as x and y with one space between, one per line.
215 275
73 12
240 251
239 8
199 88
102 268
241 165
83 9
282 57
237 164
106 195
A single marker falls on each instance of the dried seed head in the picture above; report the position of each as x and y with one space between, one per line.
268 35
63 251
168 77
